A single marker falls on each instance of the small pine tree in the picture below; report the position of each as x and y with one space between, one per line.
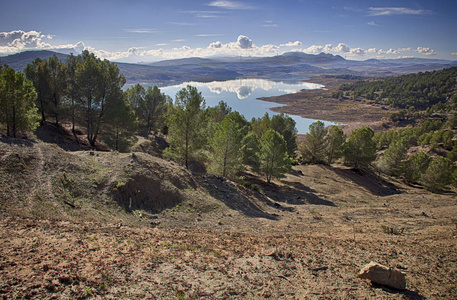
439 174
186 121
360 150
274 161
17 102
314 148
393 160
415 166
335 141
250 151
226 146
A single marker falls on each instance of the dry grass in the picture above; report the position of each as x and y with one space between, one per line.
304 237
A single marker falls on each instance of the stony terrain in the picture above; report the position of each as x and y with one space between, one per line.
79 226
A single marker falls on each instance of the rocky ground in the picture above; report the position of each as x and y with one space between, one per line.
304 237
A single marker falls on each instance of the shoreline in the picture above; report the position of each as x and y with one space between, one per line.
320 105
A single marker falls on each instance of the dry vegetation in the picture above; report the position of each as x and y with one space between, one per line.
320 105
76 225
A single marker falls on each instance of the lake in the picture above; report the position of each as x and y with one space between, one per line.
242 94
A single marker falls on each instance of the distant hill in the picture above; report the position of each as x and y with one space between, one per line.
288 66
20 60
181 62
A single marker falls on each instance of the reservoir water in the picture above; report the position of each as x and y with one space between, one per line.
242 94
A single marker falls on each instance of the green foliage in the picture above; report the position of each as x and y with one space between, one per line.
452 155
394 157
217 113
282 124
360 149
439 174
49 78
186 121
285 126
415 166
226 145
313 149
322 145
120 124
149 106
261 125
215 116
274 161
335 142
250 151
17 102
420 91
99 85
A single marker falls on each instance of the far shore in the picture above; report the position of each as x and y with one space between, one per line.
320 105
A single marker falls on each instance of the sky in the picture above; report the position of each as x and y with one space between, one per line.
146 31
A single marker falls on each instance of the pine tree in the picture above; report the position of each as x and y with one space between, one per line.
186 122
393 160
415 166
17 102
99 83
335 141
313 149
226 145
274 161
360 149
250 151
439 174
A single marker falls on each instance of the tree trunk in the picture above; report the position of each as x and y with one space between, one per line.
14 121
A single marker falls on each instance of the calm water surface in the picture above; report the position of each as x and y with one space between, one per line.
242 94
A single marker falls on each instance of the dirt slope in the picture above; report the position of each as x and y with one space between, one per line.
76 226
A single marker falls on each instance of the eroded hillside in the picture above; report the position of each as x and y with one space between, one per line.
77 225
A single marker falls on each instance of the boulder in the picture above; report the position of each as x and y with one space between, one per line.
383 275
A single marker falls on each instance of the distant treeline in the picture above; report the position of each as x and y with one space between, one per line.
411 92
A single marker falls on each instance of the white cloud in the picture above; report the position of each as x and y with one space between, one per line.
230 5
342 47
357 51
244 42
454 53
182 23
18 40
269 24
426 51
209 34
205 14
388 11
372 23
216 45
143 30
291 44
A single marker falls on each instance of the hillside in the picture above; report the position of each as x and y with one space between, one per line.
288 66
77 225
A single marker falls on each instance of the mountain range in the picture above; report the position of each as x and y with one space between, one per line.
288 66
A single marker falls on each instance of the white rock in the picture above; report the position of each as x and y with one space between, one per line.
383 275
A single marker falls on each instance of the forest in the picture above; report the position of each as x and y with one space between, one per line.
85 93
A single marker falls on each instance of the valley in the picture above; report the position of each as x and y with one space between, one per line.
83 220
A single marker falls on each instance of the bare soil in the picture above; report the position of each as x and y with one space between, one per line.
80 226
320 105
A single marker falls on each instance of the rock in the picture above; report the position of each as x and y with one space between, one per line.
383 275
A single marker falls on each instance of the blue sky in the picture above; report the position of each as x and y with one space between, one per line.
139 30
